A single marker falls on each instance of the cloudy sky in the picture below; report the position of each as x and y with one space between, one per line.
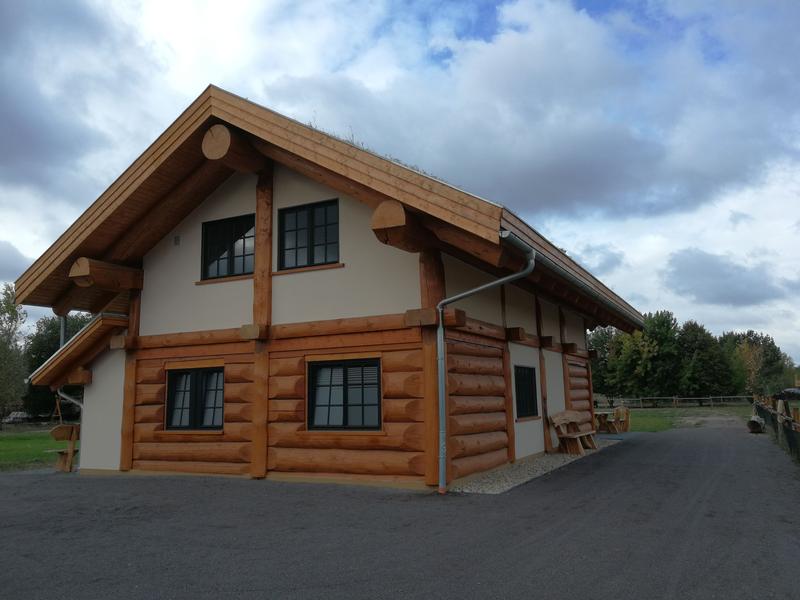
656 141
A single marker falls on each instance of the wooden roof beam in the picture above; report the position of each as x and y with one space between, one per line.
221 143
394 226
88 272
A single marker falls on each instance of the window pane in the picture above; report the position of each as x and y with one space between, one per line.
302 237
371 395
354 395
322 395
354 416
289 239
289 259
332 212
290 219
249 245
371 418
319 235
319 215
335 418
302 218
324 376
302 257
321 416
319 255
333 253
248 263
332 233
337 395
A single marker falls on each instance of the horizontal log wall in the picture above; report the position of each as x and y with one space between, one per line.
578 388
477 425
227 452
398 449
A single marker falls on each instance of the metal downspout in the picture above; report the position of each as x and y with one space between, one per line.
530 255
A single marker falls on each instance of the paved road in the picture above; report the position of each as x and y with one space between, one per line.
688 513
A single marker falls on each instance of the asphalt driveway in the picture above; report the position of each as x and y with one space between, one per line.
687 513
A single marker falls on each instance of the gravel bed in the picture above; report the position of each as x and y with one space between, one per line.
511 475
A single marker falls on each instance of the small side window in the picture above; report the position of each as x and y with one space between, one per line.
525 392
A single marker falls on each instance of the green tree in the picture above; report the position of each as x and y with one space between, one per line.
704 370
12 368
600 340
40 345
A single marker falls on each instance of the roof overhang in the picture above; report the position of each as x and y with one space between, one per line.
173 176
68 364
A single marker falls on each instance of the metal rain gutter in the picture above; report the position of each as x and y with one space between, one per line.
530 255
586 289
69 398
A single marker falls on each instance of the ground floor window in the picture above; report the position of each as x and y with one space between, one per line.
344 394
195 398
525 392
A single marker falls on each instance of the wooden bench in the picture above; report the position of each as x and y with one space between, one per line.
574 430
70 434
622 419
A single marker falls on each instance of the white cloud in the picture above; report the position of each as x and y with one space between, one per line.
637 131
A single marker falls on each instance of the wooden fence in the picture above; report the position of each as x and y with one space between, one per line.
782 421
672 401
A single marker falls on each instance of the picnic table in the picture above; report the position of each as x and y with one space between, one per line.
613 421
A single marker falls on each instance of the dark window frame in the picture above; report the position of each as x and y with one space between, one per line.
310 229
197 391
526 406
313 367
230 225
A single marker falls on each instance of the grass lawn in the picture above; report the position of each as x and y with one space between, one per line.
660 419
26 449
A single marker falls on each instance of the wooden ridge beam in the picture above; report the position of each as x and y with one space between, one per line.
88 272
220 143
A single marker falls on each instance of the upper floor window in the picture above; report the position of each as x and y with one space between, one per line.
308 235
344 394
195 398
525 392
229 246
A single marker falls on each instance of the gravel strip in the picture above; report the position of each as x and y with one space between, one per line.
511 475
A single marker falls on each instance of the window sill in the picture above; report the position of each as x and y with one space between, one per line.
224 279
179 432
525 419
348 432
306 269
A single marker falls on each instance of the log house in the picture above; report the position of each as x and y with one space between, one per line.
264 297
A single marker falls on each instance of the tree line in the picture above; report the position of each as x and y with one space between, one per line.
668 359
21 353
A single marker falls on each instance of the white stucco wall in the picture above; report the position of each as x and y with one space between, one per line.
460 277
171 300
574 329
528 434
556 399
101 417
377 279
520 309
550 323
